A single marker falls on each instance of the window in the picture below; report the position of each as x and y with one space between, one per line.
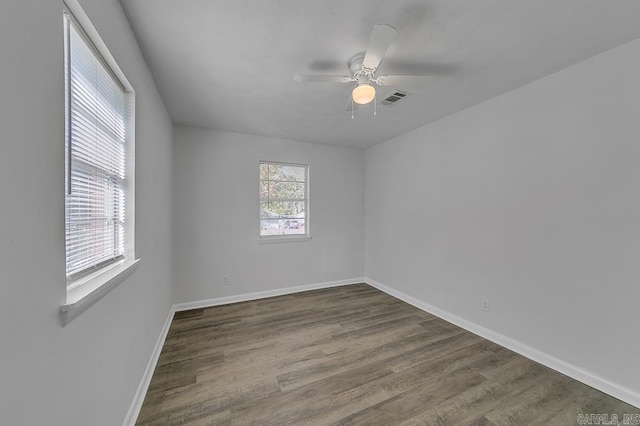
98 137
284 207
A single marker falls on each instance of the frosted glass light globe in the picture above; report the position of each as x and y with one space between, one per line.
363 93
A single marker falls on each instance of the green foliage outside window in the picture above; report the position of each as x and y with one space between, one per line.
283 197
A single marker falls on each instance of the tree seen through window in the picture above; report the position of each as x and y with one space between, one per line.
283 199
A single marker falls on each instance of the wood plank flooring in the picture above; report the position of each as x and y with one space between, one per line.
347 356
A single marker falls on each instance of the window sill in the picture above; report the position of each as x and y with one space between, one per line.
269 240
94 287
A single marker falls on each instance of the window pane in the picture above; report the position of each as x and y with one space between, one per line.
282 190
270 227
294 226
264 171
282 227
286 172
266 212
288 190
282 209
265 189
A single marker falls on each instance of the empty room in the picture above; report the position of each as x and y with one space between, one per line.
319 212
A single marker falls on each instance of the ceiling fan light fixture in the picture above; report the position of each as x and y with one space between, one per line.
363 93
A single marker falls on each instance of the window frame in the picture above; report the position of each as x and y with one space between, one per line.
84 288
286 237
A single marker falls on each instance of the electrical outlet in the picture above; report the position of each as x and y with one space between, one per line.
486 305
225 280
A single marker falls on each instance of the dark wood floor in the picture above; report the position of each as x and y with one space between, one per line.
350 355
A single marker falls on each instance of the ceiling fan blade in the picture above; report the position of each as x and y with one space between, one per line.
380 40
408 82
311 78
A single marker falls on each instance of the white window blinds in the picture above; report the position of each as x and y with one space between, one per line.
96 135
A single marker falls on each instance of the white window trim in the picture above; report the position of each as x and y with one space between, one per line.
85 291
290 238
283 239
95 286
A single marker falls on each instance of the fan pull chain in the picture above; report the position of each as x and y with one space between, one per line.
352 107
375 104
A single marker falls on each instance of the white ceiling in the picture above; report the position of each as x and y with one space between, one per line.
229 64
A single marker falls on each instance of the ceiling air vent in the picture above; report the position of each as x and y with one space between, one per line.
394 98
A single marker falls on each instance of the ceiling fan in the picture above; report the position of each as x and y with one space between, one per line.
363 69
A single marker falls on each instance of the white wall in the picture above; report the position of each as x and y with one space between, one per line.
87 372
216 212
530 199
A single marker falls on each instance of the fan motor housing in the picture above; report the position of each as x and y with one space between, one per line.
355 64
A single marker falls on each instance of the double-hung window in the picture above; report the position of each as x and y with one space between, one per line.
284 200
98 148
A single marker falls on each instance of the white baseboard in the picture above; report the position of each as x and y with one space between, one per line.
627 395
138 398
263 294
141 392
